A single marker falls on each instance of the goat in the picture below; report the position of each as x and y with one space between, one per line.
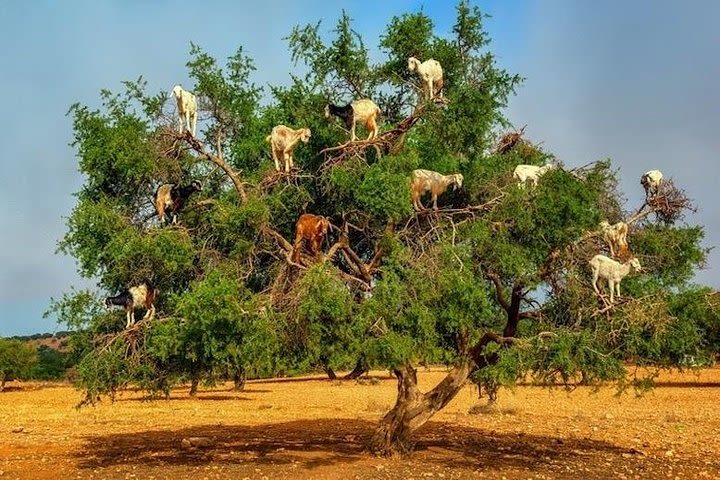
187 107
612 271
364 111
142 295
615 236
523 173
313 229
172 198
651 182
431 73
433 182
282 142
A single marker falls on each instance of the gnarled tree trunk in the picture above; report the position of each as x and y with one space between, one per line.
361 367
239 380
414 408
195 381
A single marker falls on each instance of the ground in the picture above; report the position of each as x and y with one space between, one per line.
314 428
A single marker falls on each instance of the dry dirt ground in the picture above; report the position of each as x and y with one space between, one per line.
313 428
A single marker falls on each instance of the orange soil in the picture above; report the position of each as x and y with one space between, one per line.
314 428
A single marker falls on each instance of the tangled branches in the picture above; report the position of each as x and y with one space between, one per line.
350 266
132 338
670 203
390 141
509 140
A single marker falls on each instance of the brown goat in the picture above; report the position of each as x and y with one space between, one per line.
311 228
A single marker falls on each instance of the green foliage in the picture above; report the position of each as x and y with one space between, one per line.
385 190
17 360
399 287
52 364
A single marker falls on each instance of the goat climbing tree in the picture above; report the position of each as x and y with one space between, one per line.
494 284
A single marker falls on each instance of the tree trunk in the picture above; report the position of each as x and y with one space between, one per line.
414 408
361 367
195 381
239 380
330 373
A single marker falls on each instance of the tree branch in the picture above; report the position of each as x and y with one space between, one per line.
499 291
218 160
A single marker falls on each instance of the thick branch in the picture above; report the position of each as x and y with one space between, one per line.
218 160
499 291
514 312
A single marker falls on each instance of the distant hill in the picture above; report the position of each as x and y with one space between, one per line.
57 341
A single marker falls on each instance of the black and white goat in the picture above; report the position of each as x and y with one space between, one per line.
139 296
171 198
364 111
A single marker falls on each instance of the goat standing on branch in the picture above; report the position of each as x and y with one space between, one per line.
612 271
311 228
523 173
282 142
615 236
364 111
651 182
170 197
433 182
431 73
142 295
187 108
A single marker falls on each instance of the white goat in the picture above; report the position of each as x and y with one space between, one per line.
431 73
433 182
523 173
651 182
187 107
612 271
364 111
282 142
615 236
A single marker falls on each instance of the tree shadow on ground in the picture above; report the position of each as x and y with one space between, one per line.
184 398
314 443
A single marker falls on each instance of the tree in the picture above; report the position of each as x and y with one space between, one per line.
52 364
17 359
495 284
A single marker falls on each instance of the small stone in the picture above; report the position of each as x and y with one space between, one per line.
18 429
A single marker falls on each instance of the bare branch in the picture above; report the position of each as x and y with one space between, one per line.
198 147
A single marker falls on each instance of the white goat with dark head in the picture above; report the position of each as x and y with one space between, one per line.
139 296
283 141
433 182
187 107
364 111
430 72
612 271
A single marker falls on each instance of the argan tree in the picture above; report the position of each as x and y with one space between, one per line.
17 360
494 284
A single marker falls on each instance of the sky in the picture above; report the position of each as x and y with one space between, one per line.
636 82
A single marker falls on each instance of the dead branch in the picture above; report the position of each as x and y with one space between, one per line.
509 140
668 204
385 142
275 177
216 159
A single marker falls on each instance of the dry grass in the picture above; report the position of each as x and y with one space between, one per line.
314 428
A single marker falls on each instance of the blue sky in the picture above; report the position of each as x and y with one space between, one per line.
633 81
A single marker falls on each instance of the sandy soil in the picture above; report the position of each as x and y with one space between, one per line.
313 428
